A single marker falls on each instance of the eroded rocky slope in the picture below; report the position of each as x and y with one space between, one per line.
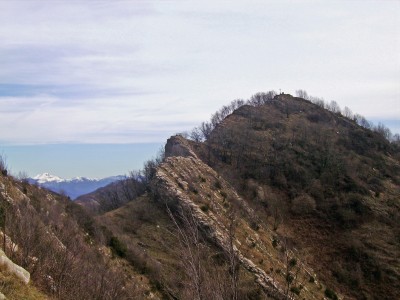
186 182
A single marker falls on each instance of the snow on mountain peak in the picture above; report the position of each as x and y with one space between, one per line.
73 187
46 177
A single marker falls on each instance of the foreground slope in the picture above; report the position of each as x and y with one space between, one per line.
61 246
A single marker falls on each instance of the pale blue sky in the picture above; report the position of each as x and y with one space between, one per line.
136 72
72 160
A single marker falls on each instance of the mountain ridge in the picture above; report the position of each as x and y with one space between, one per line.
72 187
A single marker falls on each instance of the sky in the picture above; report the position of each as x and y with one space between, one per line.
100 73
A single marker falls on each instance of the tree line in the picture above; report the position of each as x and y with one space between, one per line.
202 132
334 107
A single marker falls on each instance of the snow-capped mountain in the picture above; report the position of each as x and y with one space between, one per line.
46 177
73 187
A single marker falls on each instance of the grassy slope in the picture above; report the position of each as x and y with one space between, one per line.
13 289
153 249
144 229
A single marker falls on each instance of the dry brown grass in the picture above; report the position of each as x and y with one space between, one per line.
14 289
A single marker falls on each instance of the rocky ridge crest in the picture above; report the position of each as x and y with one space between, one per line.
184 181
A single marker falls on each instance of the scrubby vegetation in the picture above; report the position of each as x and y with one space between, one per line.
58 243
314 168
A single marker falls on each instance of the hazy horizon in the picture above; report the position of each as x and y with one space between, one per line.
78 160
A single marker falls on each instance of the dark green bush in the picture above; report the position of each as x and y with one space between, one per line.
292 262
254 225
117 247
205 207
331 294
217 184
296 290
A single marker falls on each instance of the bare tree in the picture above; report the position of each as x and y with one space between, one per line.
362 121
235 104
110 199
292 271
150 166
191 249
4 207
206 128
334 107
196 135
261 98
3 165
384 131
277 210
348 113
396 138
132 186
302 94
233 261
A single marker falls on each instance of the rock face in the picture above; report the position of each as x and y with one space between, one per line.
189 183
8 265
178 146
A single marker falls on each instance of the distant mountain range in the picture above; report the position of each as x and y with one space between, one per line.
73 187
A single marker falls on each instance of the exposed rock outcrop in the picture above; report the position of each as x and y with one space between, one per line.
191 184
8 265
178 146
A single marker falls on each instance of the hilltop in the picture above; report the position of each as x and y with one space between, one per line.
321 180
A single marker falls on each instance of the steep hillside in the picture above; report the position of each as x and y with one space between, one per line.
157 247
66 253
186 183
196 238
328 185
113 195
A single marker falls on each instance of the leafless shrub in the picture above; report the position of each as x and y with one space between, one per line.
348 113
302 94
303 204
3 165
52 247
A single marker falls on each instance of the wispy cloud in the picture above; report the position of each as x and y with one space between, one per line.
138 71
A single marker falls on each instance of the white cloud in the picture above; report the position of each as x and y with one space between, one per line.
135 71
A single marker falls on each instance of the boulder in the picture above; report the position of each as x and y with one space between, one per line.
8 265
